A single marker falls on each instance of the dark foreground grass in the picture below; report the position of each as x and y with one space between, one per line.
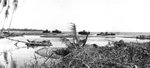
121 55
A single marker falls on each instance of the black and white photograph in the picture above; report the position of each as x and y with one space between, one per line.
74 33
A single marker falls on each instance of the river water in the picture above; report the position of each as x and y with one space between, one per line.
25 55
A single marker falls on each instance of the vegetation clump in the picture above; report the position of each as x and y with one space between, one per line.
126 55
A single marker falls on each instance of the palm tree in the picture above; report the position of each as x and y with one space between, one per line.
6 15
15 5
6 4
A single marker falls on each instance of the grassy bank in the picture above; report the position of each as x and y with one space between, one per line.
121 55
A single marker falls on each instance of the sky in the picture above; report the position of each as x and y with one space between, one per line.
90 15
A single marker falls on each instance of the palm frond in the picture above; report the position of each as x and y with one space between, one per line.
15 3
74 32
